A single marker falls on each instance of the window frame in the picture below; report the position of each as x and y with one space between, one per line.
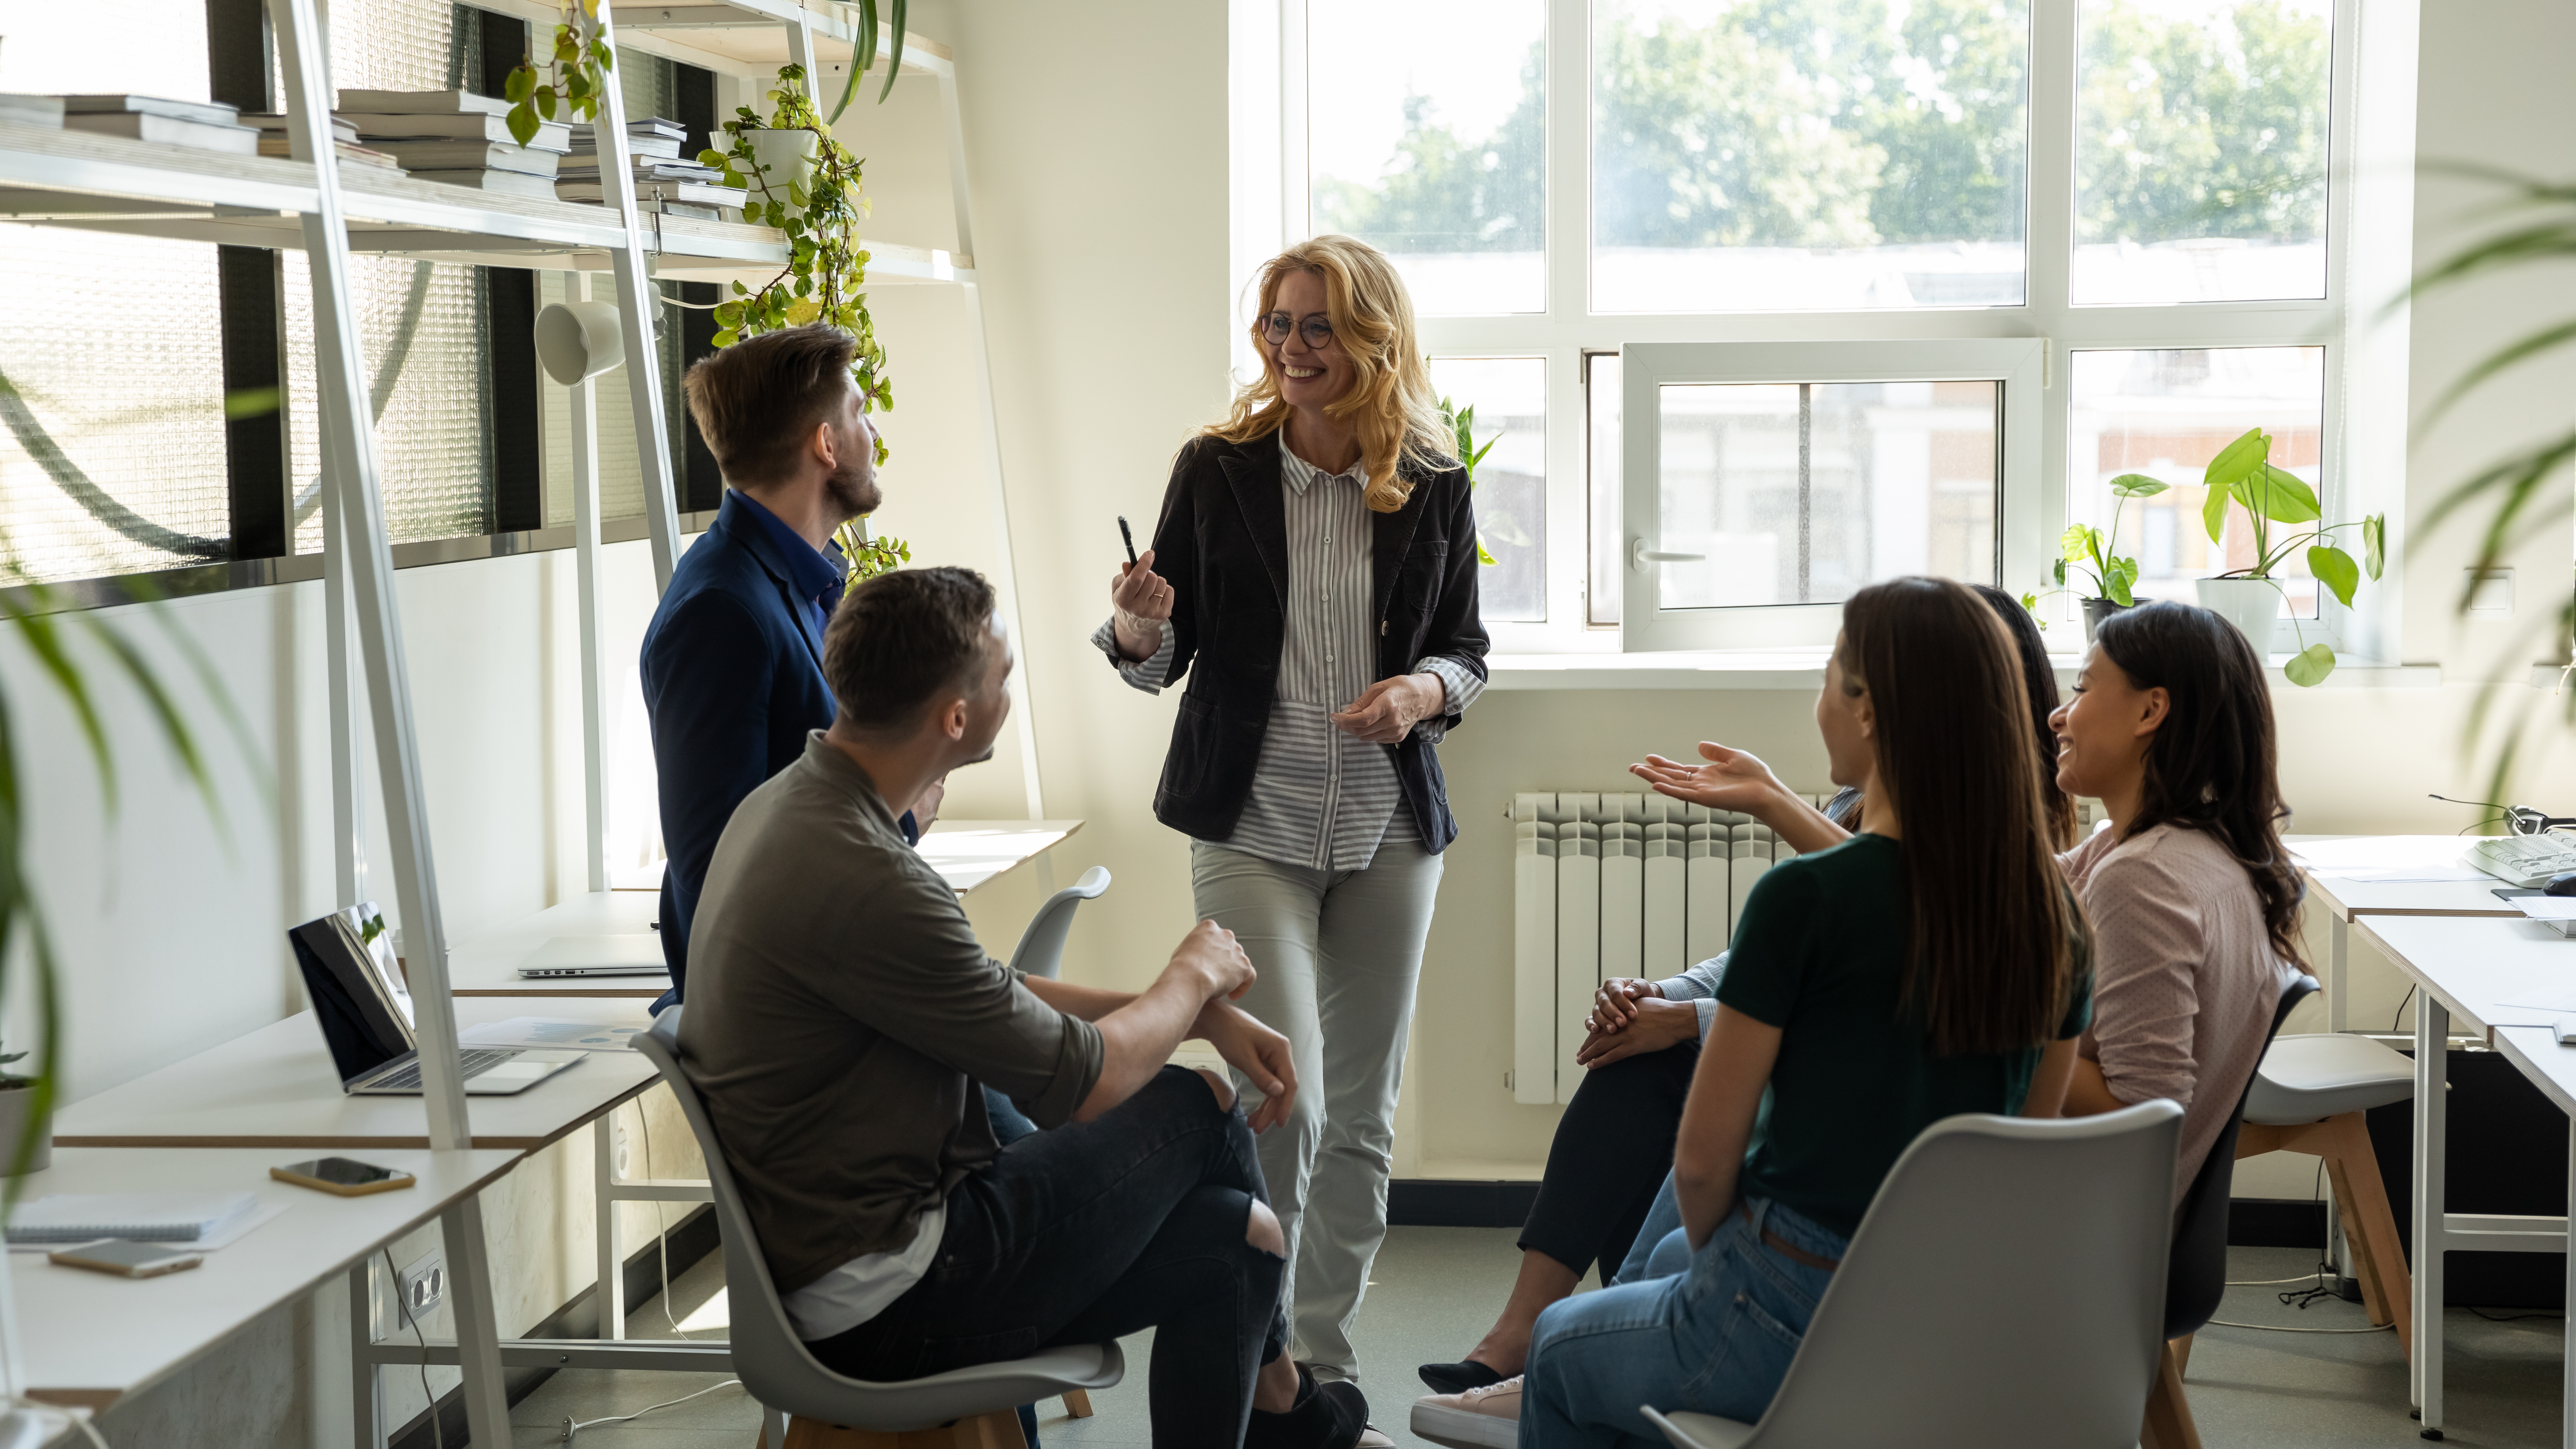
1272 50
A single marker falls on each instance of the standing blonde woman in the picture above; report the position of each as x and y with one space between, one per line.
1314 573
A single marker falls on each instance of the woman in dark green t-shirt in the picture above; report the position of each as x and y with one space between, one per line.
1933 964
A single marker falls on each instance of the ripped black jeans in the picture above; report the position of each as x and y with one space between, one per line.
1092 1231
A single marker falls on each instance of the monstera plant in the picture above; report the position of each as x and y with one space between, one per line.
2244 476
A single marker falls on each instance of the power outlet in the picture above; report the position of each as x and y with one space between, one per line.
618 1149
424 1287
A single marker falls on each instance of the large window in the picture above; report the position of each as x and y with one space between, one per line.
1765 249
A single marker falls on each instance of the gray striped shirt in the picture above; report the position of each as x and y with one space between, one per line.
1320 798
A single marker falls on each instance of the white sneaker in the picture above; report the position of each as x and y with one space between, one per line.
1486 1418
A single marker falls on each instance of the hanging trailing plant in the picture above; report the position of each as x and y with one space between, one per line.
809 188
869 557
575 75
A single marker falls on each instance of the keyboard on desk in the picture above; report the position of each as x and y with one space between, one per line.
469 1062
2525 860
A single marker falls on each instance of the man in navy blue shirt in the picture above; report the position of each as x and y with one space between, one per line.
733 660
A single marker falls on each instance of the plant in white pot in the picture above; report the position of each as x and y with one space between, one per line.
2243 474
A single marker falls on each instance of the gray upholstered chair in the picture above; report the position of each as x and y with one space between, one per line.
1041 948
1937 1330
976 1405
2311 1095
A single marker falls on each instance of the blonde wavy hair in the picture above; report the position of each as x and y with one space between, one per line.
1390 405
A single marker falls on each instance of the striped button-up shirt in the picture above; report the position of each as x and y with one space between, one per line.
1320 798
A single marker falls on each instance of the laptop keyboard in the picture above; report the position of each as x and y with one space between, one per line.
474 1059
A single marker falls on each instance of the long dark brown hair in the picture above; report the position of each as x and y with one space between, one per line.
2213 764
2039 678
1990 958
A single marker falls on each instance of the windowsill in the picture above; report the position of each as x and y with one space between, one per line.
1804 669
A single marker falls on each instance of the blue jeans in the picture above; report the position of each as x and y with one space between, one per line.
1662 1248
1716 1338
1010 1124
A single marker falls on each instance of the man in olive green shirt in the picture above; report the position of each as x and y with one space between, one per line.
839 1005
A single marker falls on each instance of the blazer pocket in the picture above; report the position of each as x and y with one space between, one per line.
1194 741
1426 568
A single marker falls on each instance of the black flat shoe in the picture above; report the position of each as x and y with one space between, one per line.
1458 1378
1324 1416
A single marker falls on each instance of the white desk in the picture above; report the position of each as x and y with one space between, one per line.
2346 898
92 1338
277 1088
2535 1052
2471 968
970 853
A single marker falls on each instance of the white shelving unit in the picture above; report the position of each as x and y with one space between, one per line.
102 183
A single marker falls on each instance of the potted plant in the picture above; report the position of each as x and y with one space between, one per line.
2095 554
2250 597
576 74
1463 424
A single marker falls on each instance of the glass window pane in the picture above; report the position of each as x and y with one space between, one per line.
1426 137
1801 493
2200 152
1769 155
1601 467
1509 395
2166 414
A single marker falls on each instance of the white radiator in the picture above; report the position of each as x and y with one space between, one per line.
1614 885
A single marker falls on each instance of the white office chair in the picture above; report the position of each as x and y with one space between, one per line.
2006 1287
975 1404
1041 948
2311 1095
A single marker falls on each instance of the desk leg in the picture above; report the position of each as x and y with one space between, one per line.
2432 1045
2338 973
611 1294
478 1332
362 1365
2567 1366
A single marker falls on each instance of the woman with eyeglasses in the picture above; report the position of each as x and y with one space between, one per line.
1314 575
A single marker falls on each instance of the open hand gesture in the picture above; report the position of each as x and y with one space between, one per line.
1731 780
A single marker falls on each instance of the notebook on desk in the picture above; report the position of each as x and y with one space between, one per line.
629 955
366 1018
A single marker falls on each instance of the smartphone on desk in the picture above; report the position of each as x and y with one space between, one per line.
342 1176
127 1259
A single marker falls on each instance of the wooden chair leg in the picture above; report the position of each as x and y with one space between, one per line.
2371 1227
984 1431
1078 1404
2182 1354
2168 1424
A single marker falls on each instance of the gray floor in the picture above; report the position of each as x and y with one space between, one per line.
1436 1289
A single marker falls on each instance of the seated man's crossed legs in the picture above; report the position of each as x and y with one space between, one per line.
1153 1215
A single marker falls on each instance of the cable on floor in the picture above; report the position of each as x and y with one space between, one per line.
571 1428
2284 1328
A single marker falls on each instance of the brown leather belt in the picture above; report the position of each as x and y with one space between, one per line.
1787 1249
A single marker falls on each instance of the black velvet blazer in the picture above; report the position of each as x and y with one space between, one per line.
1222 543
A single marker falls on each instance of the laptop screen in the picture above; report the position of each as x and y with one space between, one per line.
364 1012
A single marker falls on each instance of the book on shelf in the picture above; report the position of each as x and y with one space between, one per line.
166 131
465 126
641 148
20 110
576 169
142 1217
690 210
271 123
466 155
275 143
659 128
408 103
499 183
695 193
204 113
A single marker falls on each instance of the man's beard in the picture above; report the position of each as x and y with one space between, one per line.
853 485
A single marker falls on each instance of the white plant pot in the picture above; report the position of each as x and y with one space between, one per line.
2250 604
785 157
14 1105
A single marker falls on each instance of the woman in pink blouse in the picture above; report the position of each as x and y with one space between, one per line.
2194 903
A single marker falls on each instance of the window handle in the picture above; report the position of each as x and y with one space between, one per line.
1639 555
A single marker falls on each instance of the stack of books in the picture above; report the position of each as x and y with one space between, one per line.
344 139
456 137
198 125
44 111
664 181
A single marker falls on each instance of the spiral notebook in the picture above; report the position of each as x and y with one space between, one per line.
143 1217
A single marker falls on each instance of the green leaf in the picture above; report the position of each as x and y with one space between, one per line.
894 62
2335 569
2213 511
2238 460
523 123
521 81
2075 545
1483 557
2059 569
250 402
2310 666
723 339
545 99
2137 485
2281 495
2374 543
863 53
711 158
2030 600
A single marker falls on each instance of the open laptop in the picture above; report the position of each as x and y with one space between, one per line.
366 1015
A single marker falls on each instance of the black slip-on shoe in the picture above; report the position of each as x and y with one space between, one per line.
1324 1416
1458 1378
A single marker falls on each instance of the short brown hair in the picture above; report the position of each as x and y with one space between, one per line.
900 638
758 400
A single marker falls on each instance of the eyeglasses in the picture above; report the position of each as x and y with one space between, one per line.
1317 330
